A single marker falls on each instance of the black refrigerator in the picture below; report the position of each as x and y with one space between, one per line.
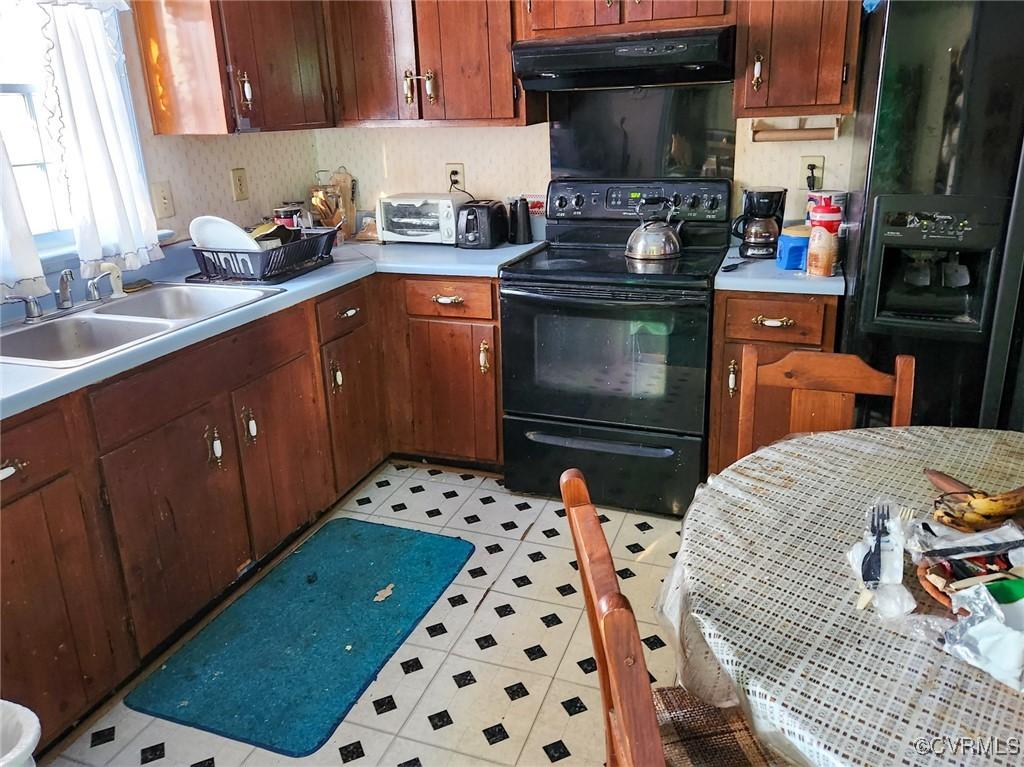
935 252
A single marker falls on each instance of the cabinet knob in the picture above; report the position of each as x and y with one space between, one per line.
344 314
337 379
10 467
733 370
214 446
773 322
485 361
245 90
249 423
447 300
429 83
758 80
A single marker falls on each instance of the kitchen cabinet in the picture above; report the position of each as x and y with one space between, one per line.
796 58
286 476
428 60
350 369
808 323
571 18
221 67
455 388
176 499
65 641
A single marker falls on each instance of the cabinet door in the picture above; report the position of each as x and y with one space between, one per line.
796 58
467 45
51 613
176 500
455 374
286 470
353 405
572 14
280 49
374 44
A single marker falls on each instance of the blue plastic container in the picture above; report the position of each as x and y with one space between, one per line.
792 252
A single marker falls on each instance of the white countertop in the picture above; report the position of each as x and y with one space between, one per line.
764 276
23 386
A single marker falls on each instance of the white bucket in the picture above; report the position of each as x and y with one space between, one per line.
19 735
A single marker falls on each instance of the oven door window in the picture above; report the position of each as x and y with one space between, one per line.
411 219
615 363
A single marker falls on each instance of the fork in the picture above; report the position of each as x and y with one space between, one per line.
871 567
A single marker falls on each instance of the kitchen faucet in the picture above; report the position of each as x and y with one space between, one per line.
64 299
92 289
32 311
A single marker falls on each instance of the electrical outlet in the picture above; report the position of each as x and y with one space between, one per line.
455 172
239 185
163 203
818 161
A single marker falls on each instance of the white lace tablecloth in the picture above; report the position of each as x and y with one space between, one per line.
761 601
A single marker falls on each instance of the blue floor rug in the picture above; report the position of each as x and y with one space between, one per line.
281 667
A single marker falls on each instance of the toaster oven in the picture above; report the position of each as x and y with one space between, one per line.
426 218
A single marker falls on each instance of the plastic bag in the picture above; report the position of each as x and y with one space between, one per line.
891 599
992 636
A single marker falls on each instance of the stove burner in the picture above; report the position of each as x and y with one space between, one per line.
565 263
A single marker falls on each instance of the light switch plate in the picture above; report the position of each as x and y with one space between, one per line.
819 171
163 202
239 185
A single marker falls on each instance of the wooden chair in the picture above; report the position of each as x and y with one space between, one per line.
643 728
823 387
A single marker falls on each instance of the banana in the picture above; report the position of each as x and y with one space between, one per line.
969 511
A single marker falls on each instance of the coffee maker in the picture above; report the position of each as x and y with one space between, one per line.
761 221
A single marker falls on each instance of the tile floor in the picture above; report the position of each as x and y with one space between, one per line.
500 671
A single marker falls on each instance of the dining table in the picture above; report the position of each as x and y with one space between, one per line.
761 603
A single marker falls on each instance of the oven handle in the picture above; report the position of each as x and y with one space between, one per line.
573 300
600 445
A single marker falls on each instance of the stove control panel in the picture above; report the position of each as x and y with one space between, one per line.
697 199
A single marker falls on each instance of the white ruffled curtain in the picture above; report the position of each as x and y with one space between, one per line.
113 218
21 273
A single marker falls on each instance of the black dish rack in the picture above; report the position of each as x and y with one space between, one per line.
267 267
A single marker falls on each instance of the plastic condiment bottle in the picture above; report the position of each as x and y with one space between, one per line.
823 247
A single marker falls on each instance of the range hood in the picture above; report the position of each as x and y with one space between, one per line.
704 55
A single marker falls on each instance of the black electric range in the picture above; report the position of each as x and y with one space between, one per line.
605 359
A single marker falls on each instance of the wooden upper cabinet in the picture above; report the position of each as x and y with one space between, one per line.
796 58
569 18
219 67
438 60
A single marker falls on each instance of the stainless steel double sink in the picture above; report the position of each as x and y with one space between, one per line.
98 330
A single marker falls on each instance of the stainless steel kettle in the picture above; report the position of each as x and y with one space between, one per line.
654 240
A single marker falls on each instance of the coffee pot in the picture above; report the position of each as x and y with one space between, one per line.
761 221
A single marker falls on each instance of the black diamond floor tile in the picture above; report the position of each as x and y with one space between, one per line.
510 525
643 527
574 706
412 665
151 753
436 630
457 600
653 642
472 519
522 580
434 472
602 518
433 513
494 548
560 513
385 704
417 489
550 532
551 620
634 548
467 477
383 483
209 762
516 691
100 737
535 653
464 679
566 589
486 641
495 734
625 573
398 507
477 572
363 501
439 720
351 752
449 494
556 751
587 665
487 500
523 506
504 611
536 556
414 762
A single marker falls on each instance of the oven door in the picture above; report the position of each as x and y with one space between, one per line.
613 355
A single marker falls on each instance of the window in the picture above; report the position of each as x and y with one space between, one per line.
29 130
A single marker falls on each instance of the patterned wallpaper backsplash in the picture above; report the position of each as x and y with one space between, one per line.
499 162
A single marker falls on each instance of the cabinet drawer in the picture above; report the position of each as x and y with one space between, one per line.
448 298
789 321
341 313
34 453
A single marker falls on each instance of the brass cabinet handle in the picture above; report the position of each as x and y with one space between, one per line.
758 80
770 322
447 300
429 82
609 3
344 314
215 448
485 362
10 467
245 90
337 379
733 370
249 422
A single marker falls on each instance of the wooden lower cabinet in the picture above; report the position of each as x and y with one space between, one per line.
811 326
354 409
454 388
176 499
286 469
57 657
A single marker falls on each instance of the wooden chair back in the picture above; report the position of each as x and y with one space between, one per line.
630 724
823 388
